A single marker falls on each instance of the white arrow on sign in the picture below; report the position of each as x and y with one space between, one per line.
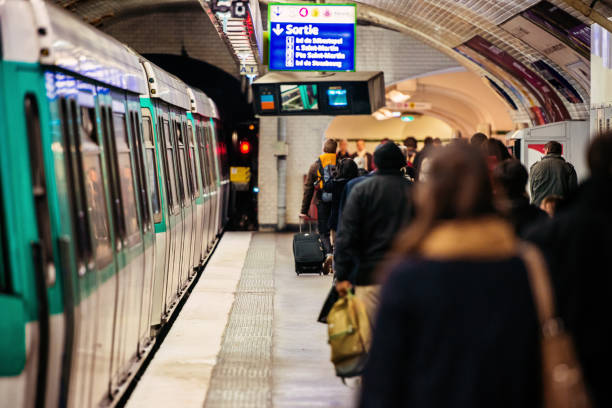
278 30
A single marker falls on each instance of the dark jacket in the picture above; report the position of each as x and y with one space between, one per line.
345 193
455 332
578 246
346 155
376 209
551 175
336 187
523 215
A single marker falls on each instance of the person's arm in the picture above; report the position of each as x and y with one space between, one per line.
309 188
347 238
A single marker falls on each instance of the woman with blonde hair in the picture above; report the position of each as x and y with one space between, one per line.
457 326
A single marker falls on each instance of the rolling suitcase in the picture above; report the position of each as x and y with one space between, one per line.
308 251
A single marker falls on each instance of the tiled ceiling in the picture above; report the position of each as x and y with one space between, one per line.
444 24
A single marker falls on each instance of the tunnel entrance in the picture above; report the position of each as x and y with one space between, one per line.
238 125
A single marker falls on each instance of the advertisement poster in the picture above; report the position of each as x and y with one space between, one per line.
562 25
503 94
517 89
556 50
552 106
557 81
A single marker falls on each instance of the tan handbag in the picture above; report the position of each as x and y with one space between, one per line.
562 382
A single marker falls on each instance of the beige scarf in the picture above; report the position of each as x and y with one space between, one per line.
481 238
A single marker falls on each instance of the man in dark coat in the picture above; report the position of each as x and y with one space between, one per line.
376 209
577 244
552 175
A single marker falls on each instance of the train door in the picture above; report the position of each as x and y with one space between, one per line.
213 184
173 225
205 187
129 245
179 229
31 319
217 177
84 181
146 221
196 244
186 198
151 130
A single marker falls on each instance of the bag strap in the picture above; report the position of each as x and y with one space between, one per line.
541 287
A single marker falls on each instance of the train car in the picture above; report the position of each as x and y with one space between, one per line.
107 209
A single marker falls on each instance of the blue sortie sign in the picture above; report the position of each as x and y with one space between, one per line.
312 38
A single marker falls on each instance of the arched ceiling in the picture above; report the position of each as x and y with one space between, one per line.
448 25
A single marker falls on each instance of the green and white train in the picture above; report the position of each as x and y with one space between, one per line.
113 191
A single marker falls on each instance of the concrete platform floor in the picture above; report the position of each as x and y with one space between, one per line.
247 336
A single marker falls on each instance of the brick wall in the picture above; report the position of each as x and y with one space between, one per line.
378 49
172 31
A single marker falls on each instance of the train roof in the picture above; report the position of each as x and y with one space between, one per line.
166 86
40 32
202 104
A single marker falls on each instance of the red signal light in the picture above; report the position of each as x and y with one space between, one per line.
245 147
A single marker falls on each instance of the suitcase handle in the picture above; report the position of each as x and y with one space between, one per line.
309 225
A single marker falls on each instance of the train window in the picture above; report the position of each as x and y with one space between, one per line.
94 189
171 173
147 130
182 165
202 154
39 185
126 180
211 158
68 115
192 161
136 139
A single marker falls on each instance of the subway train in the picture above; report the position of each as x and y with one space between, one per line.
114 190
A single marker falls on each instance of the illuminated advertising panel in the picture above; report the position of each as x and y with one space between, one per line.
557 80
518 90
553 107
556 50
562 25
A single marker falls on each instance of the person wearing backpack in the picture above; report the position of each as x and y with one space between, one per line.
322 171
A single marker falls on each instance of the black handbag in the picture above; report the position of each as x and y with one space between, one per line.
332 297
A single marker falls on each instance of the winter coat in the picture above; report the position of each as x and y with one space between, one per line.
376 209
577 244
336 187
551 175
457 325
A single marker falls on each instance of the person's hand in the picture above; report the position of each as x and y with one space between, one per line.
343 287
303 216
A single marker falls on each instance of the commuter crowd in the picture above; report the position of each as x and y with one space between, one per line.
484 284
